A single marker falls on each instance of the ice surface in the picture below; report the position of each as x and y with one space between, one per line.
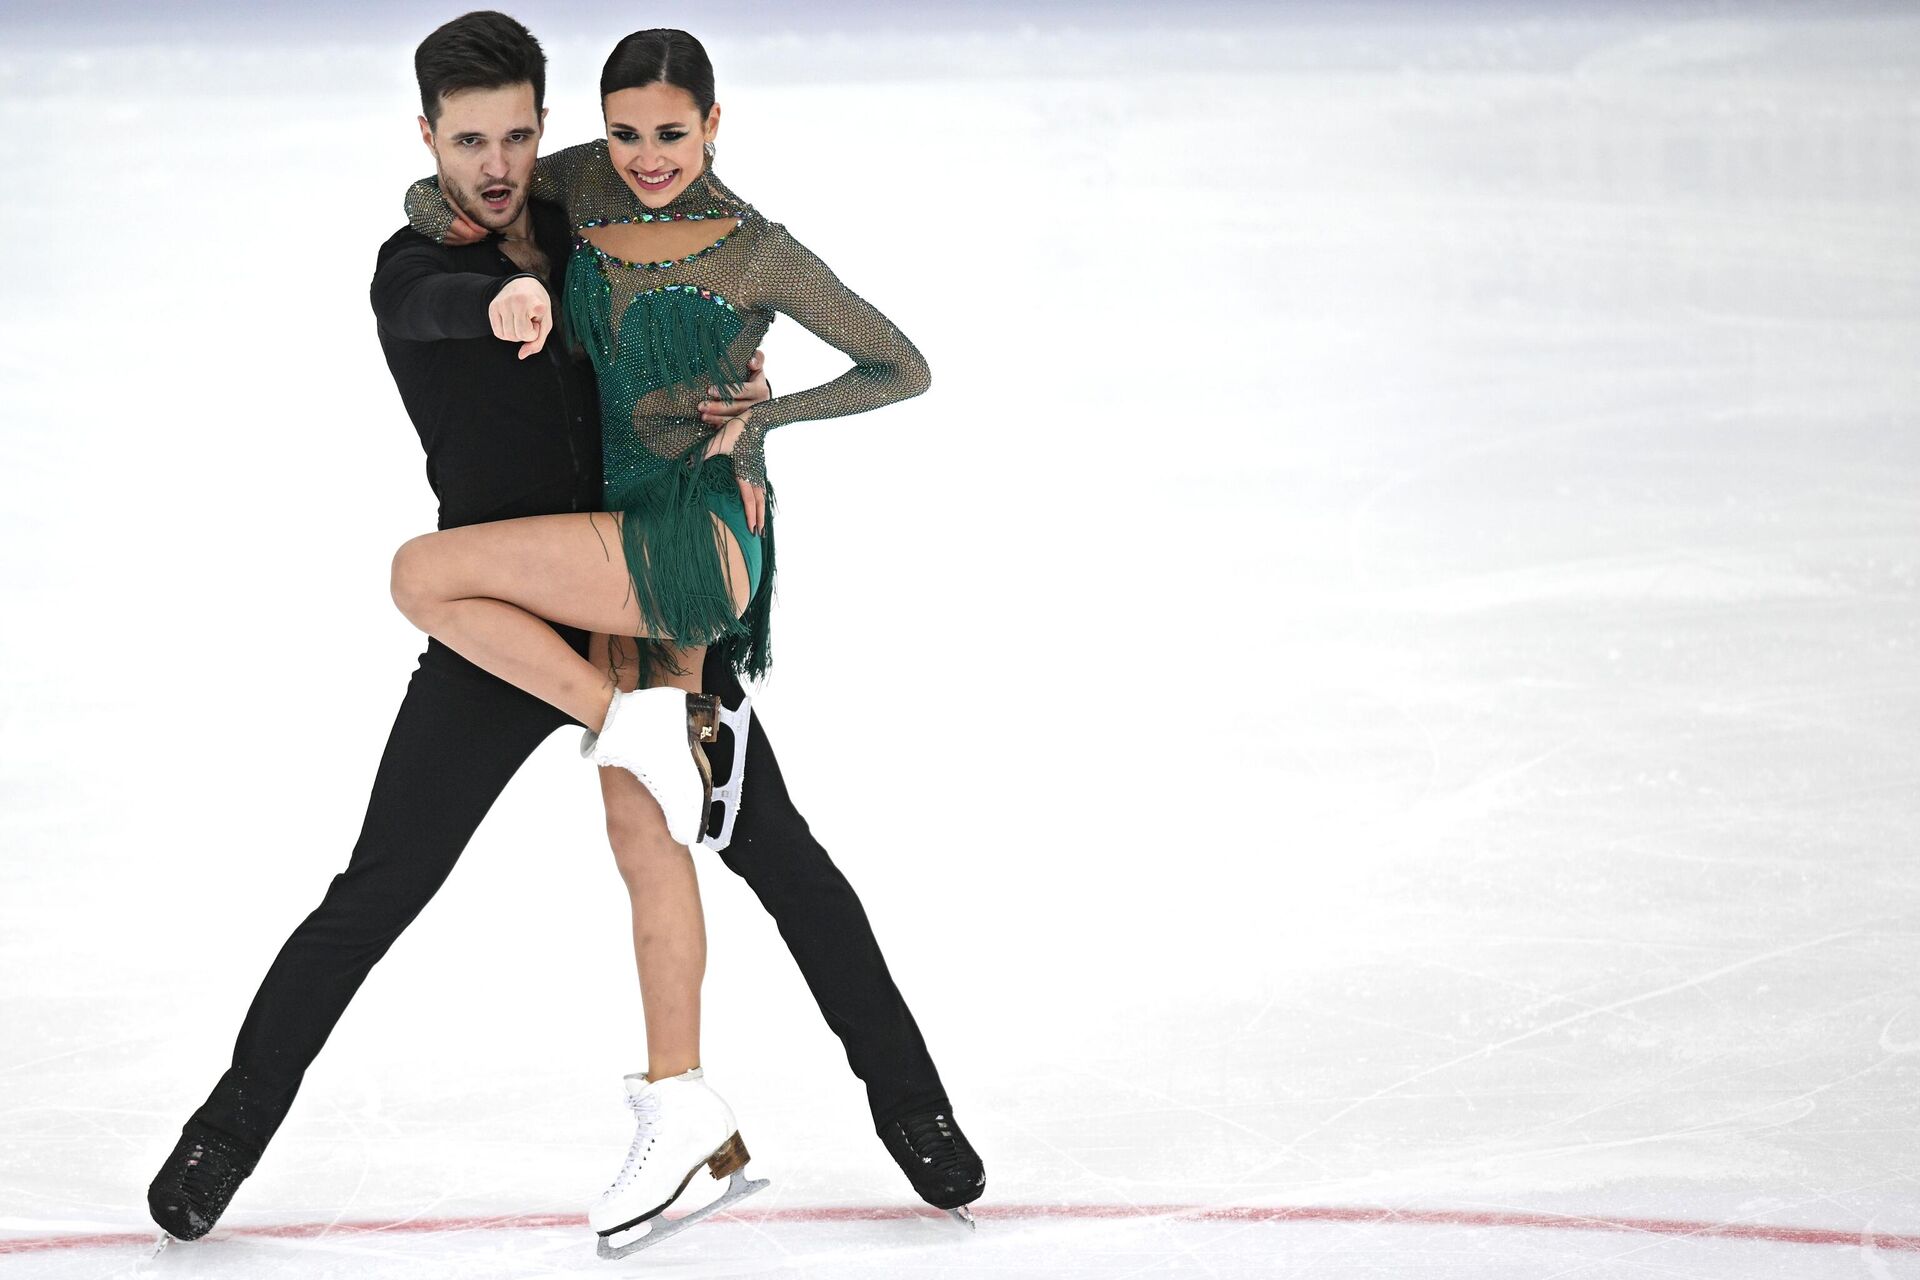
1417 715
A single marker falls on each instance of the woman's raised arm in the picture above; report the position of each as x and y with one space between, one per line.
786 276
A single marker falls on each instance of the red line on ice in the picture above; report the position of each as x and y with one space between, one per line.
1010 1212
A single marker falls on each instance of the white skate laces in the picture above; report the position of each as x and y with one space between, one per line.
646 1113
656 734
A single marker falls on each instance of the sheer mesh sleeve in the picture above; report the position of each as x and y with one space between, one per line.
557 179
427 213
785 276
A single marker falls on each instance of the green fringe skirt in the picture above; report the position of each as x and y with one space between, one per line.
676 562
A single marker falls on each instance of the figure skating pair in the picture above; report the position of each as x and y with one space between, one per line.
535 621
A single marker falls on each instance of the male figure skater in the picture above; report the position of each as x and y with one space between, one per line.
508 437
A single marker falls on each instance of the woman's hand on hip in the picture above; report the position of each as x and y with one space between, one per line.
727 403
752 496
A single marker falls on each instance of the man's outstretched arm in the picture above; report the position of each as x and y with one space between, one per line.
417 295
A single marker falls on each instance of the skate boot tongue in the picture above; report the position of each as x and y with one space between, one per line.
638 1083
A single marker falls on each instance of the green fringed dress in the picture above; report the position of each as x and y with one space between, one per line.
660 333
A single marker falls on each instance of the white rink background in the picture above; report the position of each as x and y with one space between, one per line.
1373 707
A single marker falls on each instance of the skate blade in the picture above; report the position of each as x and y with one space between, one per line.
148 1263
655 1230
728 797
964 1214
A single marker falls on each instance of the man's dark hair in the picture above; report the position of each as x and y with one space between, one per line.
480 50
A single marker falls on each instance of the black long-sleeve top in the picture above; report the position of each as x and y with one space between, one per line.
505 437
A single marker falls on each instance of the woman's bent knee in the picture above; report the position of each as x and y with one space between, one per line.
412 582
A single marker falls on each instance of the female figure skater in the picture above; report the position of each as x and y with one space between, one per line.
673 281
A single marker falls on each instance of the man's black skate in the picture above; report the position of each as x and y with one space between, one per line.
938 1160
193 1187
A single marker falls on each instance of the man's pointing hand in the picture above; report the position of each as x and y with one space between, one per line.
522 313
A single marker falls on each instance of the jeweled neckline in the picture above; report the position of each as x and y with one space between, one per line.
662 265
702 216
706 197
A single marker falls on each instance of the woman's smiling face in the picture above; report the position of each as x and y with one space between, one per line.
657 140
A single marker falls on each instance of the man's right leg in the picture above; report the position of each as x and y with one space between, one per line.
459 737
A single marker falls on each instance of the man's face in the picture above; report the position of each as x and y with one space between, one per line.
484 146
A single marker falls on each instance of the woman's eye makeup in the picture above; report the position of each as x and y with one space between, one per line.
628 135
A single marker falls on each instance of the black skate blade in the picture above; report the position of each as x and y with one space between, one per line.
652 1231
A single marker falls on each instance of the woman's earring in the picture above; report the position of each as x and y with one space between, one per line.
709 150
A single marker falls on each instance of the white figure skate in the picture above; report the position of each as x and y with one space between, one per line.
727 795
683 1125
657 735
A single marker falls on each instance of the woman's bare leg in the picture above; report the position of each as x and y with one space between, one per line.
669 929
481 590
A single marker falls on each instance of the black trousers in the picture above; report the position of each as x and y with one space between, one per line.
459 736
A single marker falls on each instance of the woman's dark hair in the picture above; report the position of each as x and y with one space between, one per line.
481 50
660 56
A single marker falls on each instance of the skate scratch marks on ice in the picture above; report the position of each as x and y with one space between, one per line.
1145 1212
1569 1020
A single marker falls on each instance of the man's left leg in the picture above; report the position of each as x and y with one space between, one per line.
827 931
